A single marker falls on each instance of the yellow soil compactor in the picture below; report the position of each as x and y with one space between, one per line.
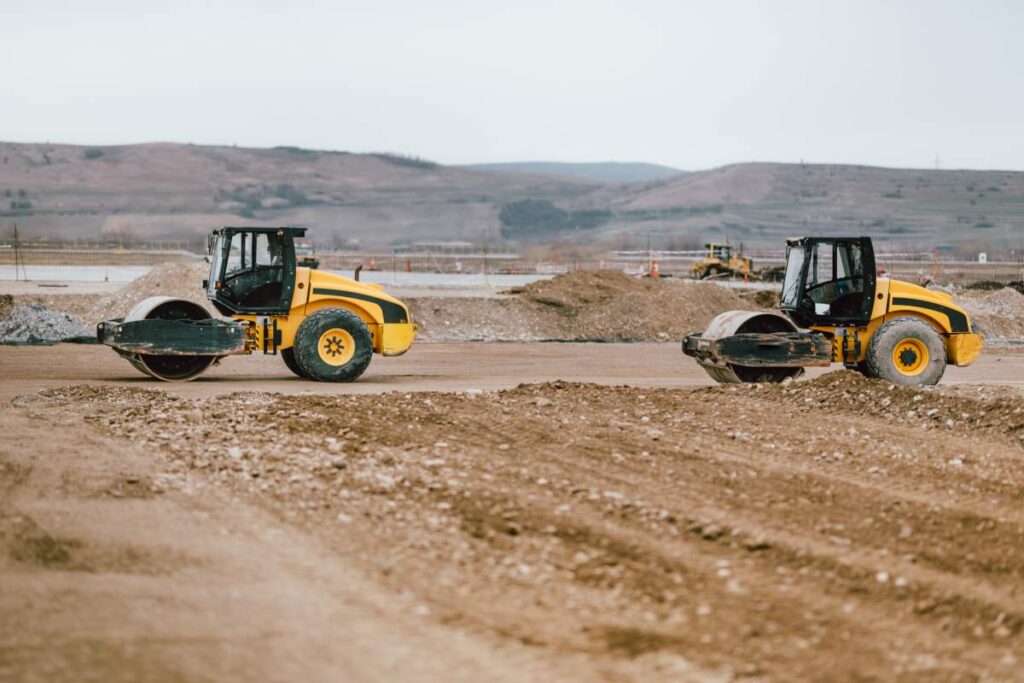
835 308
325 327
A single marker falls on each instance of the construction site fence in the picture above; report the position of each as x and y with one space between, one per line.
97 260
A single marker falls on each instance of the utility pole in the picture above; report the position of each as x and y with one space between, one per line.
17 256
649 257
484 238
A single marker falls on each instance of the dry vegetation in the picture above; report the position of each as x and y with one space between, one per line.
169 191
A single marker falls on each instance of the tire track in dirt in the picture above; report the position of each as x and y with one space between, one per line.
808 545
777 532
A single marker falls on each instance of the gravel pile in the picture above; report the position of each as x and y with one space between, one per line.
998 314
34 324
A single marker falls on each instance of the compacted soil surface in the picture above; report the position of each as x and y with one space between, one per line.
830 529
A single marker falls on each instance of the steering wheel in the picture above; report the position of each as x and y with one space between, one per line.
229 294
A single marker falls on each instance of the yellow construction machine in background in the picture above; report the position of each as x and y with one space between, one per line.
721 260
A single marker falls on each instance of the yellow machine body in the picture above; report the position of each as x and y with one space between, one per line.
835 307
387 318
895 298
721 258
324 327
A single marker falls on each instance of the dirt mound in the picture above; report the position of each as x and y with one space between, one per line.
762 298
582 287
479 319
182 280
928 408
769 532
998 314
34 324
584 305
612 306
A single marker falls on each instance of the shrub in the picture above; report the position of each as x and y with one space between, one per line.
290 194
294 150
92 153
401 160
531 217
589 219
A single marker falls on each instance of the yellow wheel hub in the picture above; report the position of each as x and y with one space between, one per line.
910 356
336 347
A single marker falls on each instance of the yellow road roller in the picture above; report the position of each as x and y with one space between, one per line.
836 308
324 326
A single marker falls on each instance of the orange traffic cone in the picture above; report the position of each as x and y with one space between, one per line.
654 269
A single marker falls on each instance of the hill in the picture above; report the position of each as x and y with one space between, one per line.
174 191
764 202
171 191
598 172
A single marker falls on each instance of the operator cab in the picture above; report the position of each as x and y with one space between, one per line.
829 281
723 252
252 270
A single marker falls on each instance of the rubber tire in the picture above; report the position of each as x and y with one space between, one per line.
288 356
879 357
307 356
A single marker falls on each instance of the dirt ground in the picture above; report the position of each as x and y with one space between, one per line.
507 512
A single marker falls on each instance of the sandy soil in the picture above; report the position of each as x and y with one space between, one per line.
831 529
463 366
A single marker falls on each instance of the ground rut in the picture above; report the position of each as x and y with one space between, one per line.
831 529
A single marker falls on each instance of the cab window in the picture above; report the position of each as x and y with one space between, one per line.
238 253
269 251
835 279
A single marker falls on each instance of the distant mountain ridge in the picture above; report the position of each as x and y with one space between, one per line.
762 203
599 172
170 191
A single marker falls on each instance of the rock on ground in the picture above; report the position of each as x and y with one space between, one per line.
36 324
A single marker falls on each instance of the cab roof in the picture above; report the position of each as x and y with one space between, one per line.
295 232
801 241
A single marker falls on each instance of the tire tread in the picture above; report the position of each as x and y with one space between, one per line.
307 337
878 362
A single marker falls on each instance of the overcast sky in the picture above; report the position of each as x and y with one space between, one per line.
692 84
